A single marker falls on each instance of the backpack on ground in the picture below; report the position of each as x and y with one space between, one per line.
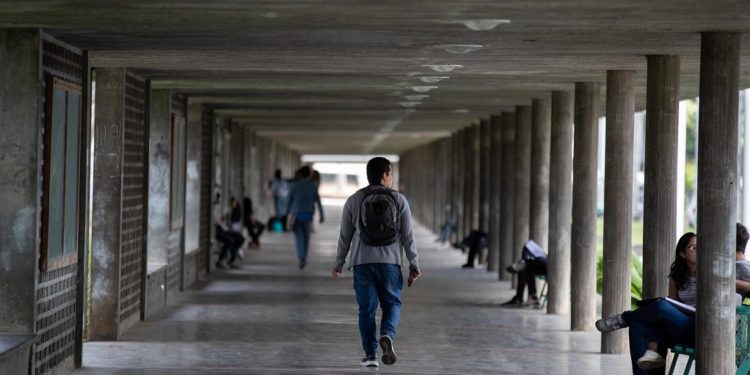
379 216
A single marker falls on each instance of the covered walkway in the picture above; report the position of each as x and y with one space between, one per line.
271 318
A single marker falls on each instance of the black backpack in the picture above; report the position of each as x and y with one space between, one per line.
379 216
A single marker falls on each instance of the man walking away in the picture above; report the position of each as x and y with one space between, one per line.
303 198
376 224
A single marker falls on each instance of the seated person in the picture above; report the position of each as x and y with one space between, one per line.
659 321
446 231
475 241
533 262
232 241
254 227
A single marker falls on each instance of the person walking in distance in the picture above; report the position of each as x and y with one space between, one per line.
303 198
375 226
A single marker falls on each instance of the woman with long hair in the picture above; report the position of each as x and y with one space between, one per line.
659 321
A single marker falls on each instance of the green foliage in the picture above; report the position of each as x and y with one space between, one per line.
636 276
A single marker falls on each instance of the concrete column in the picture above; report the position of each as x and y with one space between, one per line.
522 196
469 184
193 177
20 74
485 175
583 227
717 202
540 159
560 203
460 183
618 197
159 171
496 180
105 260
507 193
476 183
659 190
456 183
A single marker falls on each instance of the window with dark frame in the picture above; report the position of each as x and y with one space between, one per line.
177 157
62 153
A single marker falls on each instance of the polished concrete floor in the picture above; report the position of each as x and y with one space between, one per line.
272 318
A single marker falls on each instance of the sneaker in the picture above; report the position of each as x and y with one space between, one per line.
611 323
389 355
235 266
516 267
468 266
302 265
370 360
651 360
532 302
514 302
221 265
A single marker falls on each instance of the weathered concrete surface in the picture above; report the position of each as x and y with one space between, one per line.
583 227
283 74
193 185
541 113
660 170
522 188
560 203
20 74
717 202
159 173
496 168
618 207
271 318
107 182
507 204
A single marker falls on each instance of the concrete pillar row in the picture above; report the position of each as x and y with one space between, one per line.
618 208
507 198
522 196
540 159
717 202
495 196
583 227
660 185
560 203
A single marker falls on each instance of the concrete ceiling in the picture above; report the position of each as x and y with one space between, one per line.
331 76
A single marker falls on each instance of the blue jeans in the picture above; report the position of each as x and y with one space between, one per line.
373 283
659 322
302 230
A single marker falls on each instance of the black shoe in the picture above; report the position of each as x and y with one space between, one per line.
389 355
514 302
611 323
458 245
370 360
467 266
302 265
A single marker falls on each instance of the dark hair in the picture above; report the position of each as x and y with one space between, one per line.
315 176
304 172
679 271
742 237
376 168
277 174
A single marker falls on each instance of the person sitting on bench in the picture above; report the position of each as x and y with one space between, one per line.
475 241
446 231
533 262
